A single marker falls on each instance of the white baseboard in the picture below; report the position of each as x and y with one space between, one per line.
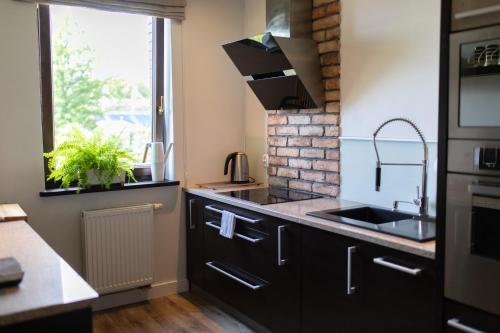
156 290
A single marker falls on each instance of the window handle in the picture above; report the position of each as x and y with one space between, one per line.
161 108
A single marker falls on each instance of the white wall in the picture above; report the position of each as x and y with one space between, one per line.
390 55
208 122
222 113
389 64
255 115
213 88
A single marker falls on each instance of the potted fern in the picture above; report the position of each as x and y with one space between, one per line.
89 160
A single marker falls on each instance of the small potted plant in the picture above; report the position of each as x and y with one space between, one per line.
89 160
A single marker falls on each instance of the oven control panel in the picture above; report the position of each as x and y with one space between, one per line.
477 157
487 159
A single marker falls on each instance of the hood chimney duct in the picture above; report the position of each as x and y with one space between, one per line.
289 18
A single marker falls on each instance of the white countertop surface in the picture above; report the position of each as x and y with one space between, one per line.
49 287
295 211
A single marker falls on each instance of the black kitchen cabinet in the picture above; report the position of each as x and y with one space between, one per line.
194 232
381 290
257 271
288 277
327 306
460 317
398 290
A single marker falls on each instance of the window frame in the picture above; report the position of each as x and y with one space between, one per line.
46 90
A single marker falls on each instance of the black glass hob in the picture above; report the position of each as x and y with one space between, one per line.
270 195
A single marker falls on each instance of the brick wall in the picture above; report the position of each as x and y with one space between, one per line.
303 145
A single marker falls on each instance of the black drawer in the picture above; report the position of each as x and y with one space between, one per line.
249 234
398 289
459 317
271 303
244 218
255 258
253 248
239 289
245 271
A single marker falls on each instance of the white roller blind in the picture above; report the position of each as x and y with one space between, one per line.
173 9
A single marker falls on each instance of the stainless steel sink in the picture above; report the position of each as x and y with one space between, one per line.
383 220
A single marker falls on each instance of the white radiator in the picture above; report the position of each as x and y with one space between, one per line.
118 247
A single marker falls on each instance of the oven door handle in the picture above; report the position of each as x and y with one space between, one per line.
455 323
484 190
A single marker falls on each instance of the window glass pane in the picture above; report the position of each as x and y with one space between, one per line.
102 74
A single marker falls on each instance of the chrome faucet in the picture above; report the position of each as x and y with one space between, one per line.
421 201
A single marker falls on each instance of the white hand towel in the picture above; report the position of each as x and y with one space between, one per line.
227 224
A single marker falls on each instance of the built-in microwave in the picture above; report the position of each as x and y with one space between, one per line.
474 94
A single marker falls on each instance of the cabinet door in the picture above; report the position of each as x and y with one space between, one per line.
194 233
286 277
327 305
399 291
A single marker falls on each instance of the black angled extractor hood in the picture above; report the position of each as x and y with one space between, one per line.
282 65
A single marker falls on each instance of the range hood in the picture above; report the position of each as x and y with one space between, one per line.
282 65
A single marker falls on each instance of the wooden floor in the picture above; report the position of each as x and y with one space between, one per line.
176 313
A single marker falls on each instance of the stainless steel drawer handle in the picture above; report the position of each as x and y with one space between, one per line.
455 323
191 224
212 265
281 261
239 217
350 288
477 12
213 225
382 262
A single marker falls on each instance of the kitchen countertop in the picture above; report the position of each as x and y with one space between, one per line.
295 211
49 287
12 212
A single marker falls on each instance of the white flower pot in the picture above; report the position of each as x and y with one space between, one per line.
92 178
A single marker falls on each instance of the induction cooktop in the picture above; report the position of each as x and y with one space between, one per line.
270 195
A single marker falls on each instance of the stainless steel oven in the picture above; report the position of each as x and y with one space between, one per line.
475 84
472 259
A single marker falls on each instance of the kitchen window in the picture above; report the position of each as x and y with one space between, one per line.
102 70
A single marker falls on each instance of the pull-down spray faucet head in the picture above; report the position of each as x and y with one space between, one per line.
378 176
422 199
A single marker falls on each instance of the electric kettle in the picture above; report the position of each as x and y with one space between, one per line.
239 167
